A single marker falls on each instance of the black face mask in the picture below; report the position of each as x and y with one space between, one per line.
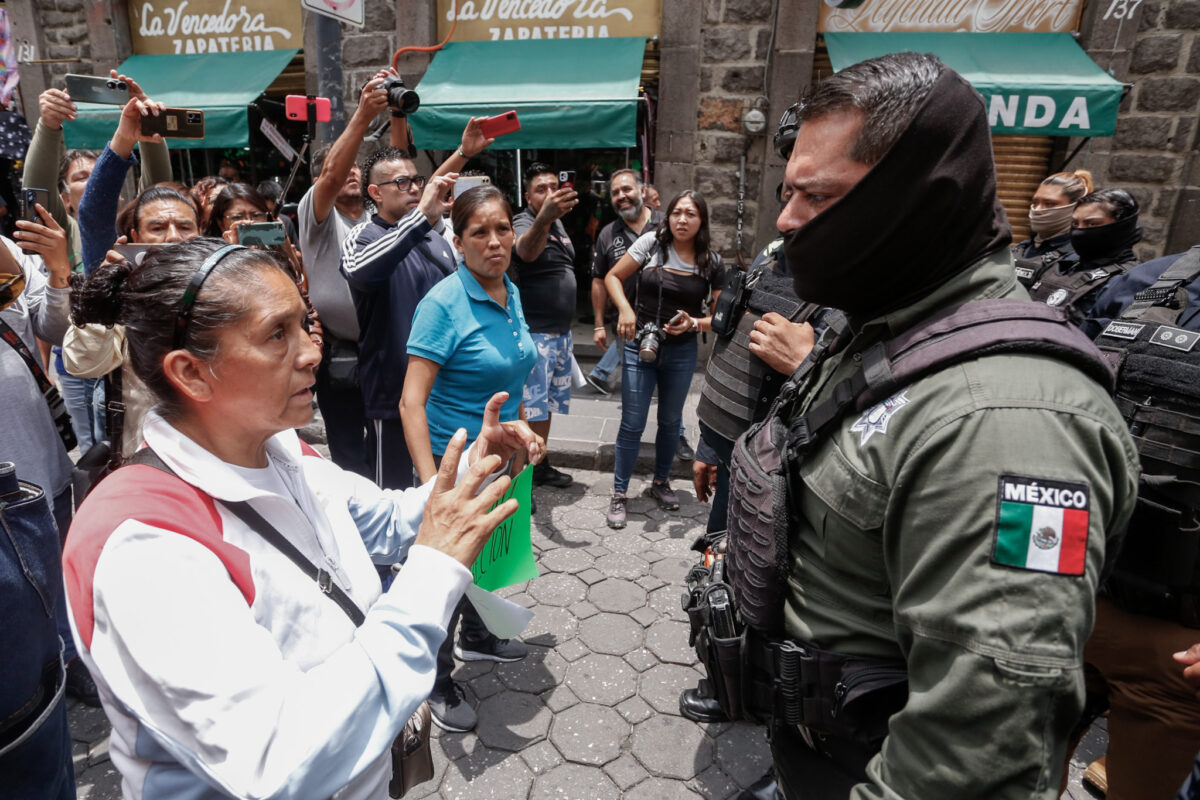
1107 244
922 214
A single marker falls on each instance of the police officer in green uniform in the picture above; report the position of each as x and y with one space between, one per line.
957 528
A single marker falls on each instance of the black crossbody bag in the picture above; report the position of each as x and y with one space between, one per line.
412 759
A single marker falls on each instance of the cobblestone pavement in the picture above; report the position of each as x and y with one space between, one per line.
593 711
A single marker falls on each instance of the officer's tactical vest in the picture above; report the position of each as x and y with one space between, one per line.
735 379
765 464
1056 289
1158 393
1030 270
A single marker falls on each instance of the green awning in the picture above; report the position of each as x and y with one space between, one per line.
1039 83
220 84
568 93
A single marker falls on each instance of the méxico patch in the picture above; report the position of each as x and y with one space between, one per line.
1042 525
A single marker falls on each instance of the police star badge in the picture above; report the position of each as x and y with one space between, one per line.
876 418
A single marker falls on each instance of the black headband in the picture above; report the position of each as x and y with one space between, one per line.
193 289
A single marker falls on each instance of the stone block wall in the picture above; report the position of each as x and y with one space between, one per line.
1155 146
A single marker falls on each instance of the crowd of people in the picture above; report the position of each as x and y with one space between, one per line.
923 447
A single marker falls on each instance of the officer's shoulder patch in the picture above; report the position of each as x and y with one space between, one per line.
1041 525
876 418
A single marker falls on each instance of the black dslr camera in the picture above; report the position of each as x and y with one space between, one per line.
400 97
649 338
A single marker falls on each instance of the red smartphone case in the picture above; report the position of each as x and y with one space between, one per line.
295 107
500 124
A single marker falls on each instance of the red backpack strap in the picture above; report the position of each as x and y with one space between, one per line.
155 498
308 450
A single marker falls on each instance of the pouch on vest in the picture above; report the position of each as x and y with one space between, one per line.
1157 570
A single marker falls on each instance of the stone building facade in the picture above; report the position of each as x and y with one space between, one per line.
721 58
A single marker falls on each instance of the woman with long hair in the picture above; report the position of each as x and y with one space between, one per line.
676 272
1050 221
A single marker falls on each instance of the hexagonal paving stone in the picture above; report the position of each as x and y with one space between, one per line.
660 686
601 679
583 609
617 596
614 634
667 599
644 616
626 771
713 783
541 757
559 698
542 669
660 789
487 774
668 639
676 546
558 590
589 734
641 659
565 559
572 650
550 626
673 569
574 782
690 753
627 543
635 710
743 753
512 721
623 565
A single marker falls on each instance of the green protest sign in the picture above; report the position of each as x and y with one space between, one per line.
507 558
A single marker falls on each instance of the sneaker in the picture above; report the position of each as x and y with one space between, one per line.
616 512
600 387
546 475
490 649
685 451
80 684
451 711
661 493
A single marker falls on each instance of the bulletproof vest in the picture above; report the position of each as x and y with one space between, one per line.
1030 270
764 473
737 384
1157 570
1063 290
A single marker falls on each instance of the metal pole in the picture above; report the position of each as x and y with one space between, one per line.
329 75
520 194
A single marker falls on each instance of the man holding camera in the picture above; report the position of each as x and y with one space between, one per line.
544 264
327 213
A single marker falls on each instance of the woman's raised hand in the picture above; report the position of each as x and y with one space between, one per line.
505 438
457 521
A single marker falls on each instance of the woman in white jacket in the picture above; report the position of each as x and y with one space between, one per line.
225 669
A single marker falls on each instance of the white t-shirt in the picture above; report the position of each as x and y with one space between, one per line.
321 244
644 248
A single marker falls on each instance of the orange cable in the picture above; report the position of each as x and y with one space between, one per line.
429 49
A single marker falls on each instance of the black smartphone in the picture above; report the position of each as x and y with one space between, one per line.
30 198
261 234
566 179
95 89
175 123
677 318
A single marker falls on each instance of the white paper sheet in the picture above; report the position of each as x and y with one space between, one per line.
503 618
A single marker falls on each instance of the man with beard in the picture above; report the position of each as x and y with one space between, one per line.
327 212
941 549
634 218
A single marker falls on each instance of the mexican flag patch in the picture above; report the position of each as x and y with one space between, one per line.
1042 525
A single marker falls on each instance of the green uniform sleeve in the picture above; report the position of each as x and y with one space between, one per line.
156 164
46 151
994 652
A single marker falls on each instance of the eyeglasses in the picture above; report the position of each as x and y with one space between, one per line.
404 181
256 216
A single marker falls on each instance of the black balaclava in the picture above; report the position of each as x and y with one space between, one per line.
922 214
1107 244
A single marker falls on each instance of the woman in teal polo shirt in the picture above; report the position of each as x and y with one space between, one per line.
469 340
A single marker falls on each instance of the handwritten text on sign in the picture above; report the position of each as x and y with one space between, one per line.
160 27
951 16
495 20
507 558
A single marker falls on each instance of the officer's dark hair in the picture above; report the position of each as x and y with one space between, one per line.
130 217
467 203
1117 203
637 176
227 197
64 166
538 168
378 157
888 90
703 238
147 299
270 190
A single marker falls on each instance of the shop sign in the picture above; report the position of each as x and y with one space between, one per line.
502 20
950 16
159 27
1052 114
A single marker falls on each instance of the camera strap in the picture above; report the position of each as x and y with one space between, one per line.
637 290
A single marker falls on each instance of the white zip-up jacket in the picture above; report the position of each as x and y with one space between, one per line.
224 669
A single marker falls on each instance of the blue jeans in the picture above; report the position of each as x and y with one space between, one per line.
715 446
608 362
87 417
672 374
